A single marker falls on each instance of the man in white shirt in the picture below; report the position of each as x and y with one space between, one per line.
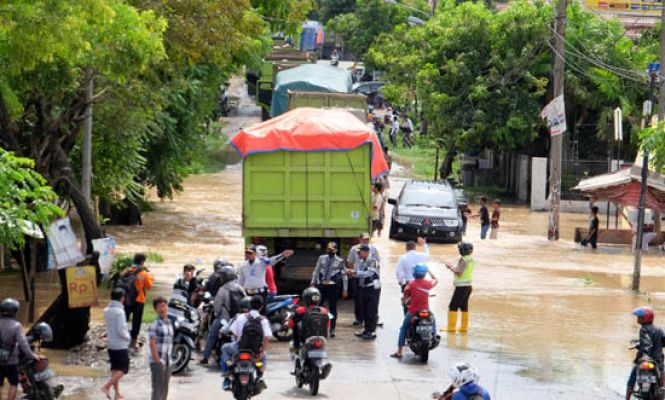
407 262
236 328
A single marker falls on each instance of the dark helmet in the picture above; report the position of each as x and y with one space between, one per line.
9 307
311 296
646 313
219 263
244 303
465 248
228 273
42 331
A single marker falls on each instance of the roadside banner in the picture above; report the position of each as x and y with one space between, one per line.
555 113
633 8
106 249
66 251
82 286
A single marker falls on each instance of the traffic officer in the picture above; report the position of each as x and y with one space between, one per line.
252 273
328 273
353 262
370 291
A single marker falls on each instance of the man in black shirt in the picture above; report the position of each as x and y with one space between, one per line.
592 236
484 218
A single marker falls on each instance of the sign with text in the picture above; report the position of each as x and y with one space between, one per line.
624 7
82 286
555 113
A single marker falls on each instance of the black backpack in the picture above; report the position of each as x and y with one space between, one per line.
252 335
235 296
315 323
127 282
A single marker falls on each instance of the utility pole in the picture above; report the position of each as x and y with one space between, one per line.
556 142
86 156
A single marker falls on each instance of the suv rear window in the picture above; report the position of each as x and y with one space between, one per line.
428 198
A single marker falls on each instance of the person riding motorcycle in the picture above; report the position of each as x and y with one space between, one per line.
650 343
237 329
464 385
214 281
311 297
12 344
225 306
416 298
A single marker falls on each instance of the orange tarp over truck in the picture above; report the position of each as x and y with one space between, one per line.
311 130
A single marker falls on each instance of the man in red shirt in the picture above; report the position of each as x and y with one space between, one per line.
416 295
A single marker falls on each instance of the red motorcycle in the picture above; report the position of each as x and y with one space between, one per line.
35 375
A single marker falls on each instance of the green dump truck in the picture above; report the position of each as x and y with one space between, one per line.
316 192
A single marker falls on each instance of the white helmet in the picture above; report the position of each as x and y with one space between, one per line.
262 250
463 373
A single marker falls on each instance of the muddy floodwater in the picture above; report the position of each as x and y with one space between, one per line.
549 320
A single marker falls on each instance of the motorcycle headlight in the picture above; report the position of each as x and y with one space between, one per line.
402 219
451 222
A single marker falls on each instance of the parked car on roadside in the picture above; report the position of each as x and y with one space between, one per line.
427 209
369 89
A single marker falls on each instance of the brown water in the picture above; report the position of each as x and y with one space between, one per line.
548 319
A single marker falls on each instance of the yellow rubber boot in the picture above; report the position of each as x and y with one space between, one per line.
452 321
465 322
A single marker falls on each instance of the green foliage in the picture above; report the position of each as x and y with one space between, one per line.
481 78
329 9
652 141
24 197
368 20
284 15
154 257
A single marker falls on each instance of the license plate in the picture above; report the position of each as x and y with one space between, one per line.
647 378
44 375
245 370
316 354
423 328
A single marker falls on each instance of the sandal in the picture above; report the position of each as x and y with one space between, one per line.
396 355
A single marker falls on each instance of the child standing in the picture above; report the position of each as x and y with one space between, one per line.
494 221
592 237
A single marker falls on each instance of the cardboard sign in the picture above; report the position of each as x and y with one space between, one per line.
555 113
66 250
82 286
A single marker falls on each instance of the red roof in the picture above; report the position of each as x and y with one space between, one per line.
311 129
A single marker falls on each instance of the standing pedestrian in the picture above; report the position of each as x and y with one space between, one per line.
370 291
252 273
377 206
494 222
463 276
12 344
117 342
329 272
484 218
407 262
135 281
353 262
592 236
394 129
160 337
466 213
406 126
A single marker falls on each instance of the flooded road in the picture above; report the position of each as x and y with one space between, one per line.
549 320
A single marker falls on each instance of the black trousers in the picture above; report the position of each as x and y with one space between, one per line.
357 300
330 294
370 305
460 299
136 312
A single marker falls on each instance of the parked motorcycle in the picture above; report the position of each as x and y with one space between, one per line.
421 336
309 364
35 375
334 61
246 375
186 329
279 311
647 384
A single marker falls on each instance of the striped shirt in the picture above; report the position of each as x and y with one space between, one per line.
162 331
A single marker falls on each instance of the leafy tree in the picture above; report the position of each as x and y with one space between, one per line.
24 197
49 51
285 15
329 9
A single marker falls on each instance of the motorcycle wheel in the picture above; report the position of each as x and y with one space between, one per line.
424 352
180 357
42 391
242 392
313 380
298 374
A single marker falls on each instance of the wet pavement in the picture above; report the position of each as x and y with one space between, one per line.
549 320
